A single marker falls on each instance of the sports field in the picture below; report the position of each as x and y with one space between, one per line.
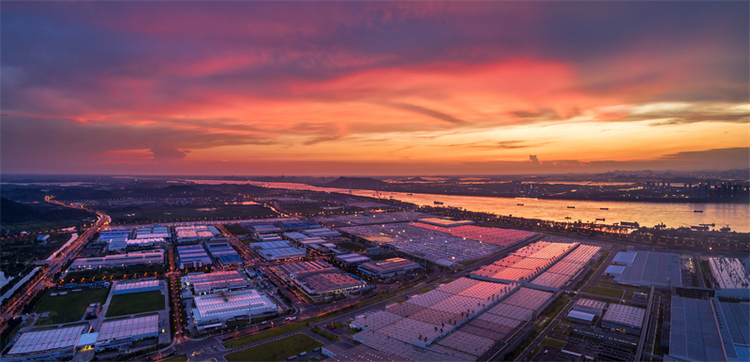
135 303
70 307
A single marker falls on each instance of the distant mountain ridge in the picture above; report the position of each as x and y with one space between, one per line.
357 183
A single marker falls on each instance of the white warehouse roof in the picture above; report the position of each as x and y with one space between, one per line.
224 306
131 327
51 339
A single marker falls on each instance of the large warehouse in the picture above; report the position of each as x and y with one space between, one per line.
302 268
136 286
624 317
324 284
277 250
389 268
51 344
121 333
192 256
220 281
709 330
218 308
650 268
117 261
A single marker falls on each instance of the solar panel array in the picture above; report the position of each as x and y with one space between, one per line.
427 316
527 262
567 268
47 340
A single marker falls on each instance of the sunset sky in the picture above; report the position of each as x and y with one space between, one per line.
382 88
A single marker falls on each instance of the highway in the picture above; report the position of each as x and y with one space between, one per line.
45 277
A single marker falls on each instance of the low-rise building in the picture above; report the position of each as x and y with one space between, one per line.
624 318
302 268
581 317
389 268
595 307
329 284
136 286
124 333
192 256
216 282
92 311
212 309
122 260
352 259
49 345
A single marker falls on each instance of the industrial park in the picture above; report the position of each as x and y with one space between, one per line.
374 181
375 279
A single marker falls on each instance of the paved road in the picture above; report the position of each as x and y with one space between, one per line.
44 278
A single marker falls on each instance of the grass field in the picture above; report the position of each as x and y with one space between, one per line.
425 290
178 358
276 350
553 342
70 307
134 303
607 292
400 300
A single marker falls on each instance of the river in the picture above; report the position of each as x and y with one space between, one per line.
737 216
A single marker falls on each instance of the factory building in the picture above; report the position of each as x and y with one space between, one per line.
279 249
124 333
269 237
220 281
193 233
212 310
260 229
302 268
296 225
624 258
323 285
591 306
117 261
155 232
581 317
223 253
192 256
295 236
389 268
321 233
50 344
624 318
708 330
136 286
352 259
649 268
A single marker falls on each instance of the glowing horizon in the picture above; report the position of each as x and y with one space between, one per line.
248 88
